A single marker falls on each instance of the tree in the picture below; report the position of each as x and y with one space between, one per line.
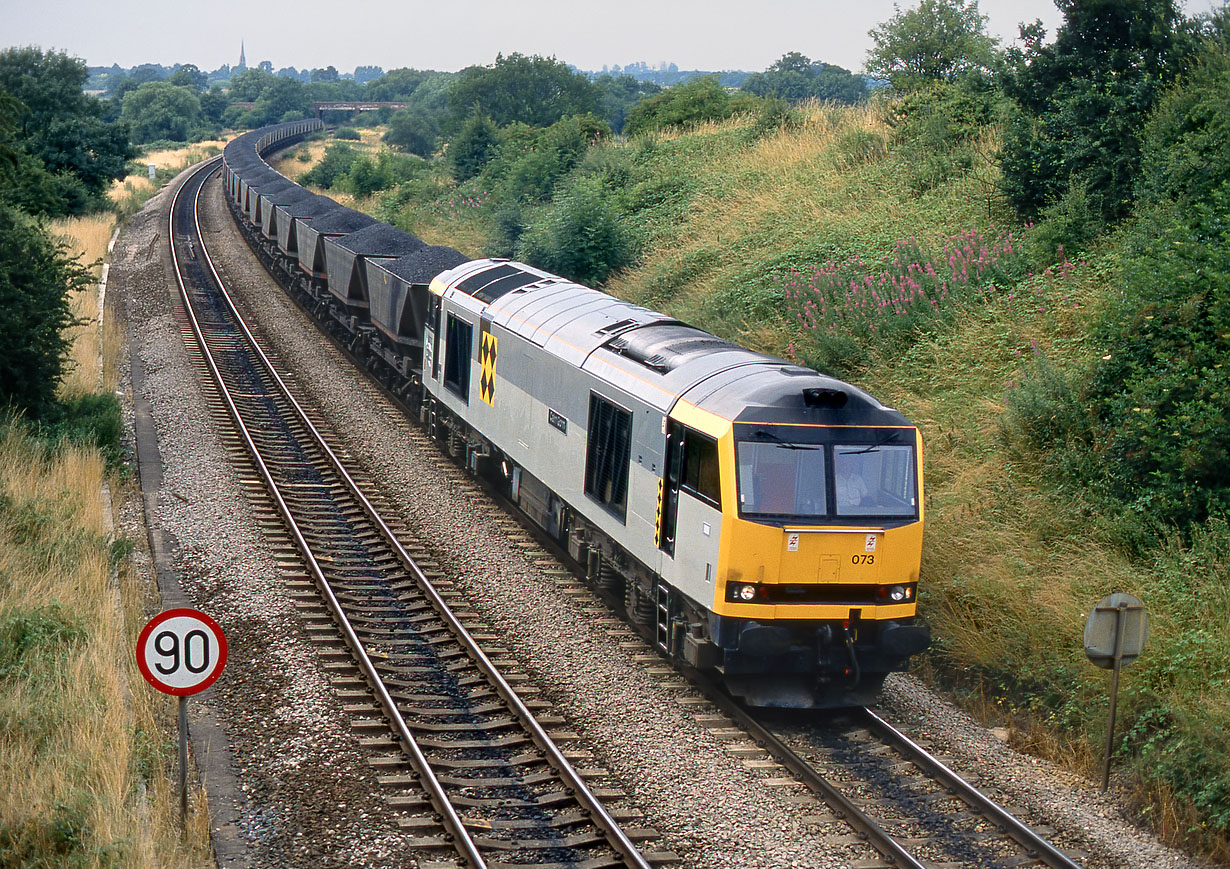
213 104
702 99
795 78
412 131
250 84
328 74
364 74
396 84
941 40
619 94
36 277
189 76
62 131
533 90
160 110
473 146
125 82
281 98
1083 101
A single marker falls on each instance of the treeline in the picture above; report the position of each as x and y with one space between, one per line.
182 103
58 156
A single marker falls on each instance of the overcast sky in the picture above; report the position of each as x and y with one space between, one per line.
444 35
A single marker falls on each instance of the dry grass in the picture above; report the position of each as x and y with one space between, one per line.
72 700
87 238
132 192
85 751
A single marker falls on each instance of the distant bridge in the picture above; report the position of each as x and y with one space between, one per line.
354 106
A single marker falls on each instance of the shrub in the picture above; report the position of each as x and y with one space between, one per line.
936 129
349 133
1187 141
856 147
532 171
580 237
412 131
337 162
94 420
36 277
702 99
473 146
1162 391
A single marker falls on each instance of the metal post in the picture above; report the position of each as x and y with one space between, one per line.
183 765
1120 622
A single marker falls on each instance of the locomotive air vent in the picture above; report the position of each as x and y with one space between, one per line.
611 328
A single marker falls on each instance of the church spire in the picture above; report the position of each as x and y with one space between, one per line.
243 63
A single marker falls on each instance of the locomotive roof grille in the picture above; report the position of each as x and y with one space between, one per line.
504 285
663 347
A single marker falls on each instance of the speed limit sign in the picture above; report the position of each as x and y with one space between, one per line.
181 652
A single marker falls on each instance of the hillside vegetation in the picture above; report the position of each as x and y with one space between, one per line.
855 240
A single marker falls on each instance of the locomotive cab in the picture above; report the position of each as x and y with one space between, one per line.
820 548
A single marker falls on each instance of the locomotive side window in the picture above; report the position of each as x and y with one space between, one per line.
608 454
875 480
458 350
700 467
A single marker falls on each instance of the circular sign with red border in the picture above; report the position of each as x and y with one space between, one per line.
181 651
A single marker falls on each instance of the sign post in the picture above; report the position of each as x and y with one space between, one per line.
181 652
1115 635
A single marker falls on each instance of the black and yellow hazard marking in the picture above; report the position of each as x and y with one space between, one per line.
657 522
486 358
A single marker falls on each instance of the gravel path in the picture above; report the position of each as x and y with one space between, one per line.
311 799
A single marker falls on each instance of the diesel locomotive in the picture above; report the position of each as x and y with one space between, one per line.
756 518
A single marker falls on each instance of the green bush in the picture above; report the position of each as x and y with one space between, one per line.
529 170
338 160
47 633
1186 152
1162 391
92 420
36 277
348 133
580 237
413 131
475 144
702 99
935 129
856 147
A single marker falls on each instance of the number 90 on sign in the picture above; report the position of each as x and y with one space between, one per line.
181 651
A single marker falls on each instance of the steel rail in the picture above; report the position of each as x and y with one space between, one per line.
556 759
1036 847
878 838
453 823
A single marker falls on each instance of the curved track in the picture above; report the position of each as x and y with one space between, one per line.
496 789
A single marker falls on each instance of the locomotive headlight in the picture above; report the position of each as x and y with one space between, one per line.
747 592
897 593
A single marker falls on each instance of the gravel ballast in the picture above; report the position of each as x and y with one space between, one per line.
308 798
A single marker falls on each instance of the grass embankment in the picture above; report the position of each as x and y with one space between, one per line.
759 238
130 194
87 749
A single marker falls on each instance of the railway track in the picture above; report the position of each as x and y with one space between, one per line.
474 770
904 802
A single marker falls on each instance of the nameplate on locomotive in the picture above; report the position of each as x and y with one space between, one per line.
557 420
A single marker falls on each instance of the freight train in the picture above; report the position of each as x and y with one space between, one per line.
756 519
